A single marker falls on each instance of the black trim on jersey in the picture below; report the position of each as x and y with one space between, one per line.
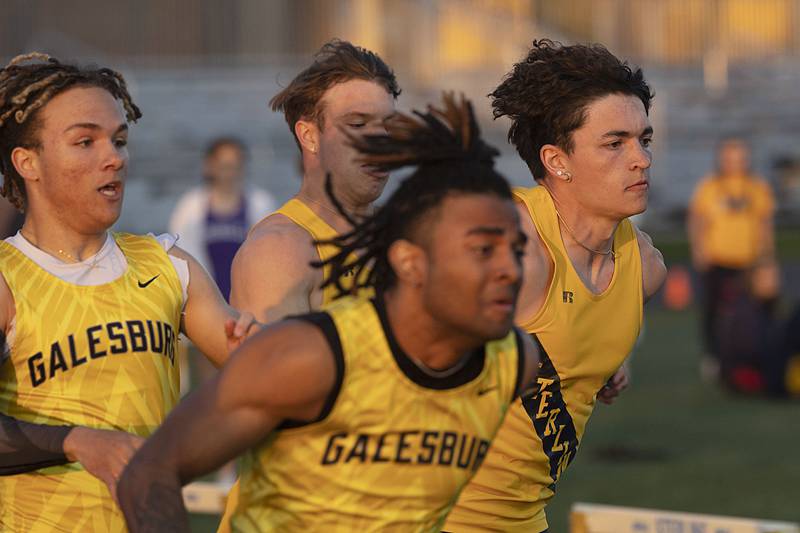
520 363
469 372
554 425
325 323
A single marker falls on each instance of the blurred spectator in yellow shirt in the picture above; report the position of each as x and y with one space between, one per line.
731 234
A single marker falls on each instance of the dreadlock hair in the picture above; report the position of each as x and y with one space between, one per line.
336 62
547 93
27 84
450 158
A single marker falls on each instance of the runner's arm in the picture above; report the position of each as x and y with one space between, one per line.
654 271
271 276
286 371
209 322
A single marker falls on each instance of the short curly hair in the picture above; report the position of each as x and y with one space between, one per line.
546 94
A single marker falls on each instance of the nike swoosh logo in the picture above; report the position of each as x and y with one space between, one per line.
148 282
481 392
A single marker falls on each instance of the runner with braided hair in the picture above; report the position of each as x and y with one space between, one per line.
89 319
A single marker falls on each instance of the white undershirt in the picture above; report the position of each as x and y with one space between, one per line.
107 265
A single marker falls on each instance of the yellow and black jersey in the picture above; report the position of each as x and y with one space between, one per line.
393 446
587 337
97 356
319 230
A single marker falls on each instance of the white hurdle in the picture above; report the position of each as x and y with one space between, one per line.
591 518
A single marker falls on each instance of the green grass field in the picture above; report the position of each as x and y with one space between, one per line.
673 442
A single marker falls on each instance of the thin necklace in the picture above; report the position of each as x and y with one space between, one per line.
440 373
93 264
610 250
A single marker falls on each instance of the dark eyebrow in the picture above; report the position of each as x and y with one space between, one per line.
486 230
93 126
622 133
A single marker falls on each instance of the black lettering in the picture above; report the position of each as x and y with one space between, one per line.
73 353
93 342
122 347
378 458
169 343
36 369
448 447
359 449
57 361
463 462
483 448
156 347
327 458
429 447
136 333
402 445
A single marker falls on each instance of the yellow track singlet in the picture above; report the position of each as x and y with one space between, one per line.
393 447
319 230
303 216
97 356
587 337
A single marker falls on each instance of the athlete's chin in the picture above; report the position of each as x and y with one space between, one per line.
635 208
497 326
104 219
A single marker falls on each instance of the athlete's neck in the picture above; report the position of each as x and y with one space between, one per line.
582 228
62 242
313 194
588 240
421 336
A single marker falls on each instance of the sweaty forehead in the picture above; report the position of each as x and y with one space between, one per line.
358 97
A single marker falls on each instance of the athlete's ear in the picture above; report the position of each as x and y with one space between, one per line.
307 133
26 163
554 160
409 262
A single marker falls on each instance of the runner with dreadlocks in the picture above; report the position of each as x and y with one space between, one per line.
89 319
371 415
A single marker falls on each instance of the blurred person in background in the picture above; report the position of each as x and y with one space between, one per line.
731 235
212 220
